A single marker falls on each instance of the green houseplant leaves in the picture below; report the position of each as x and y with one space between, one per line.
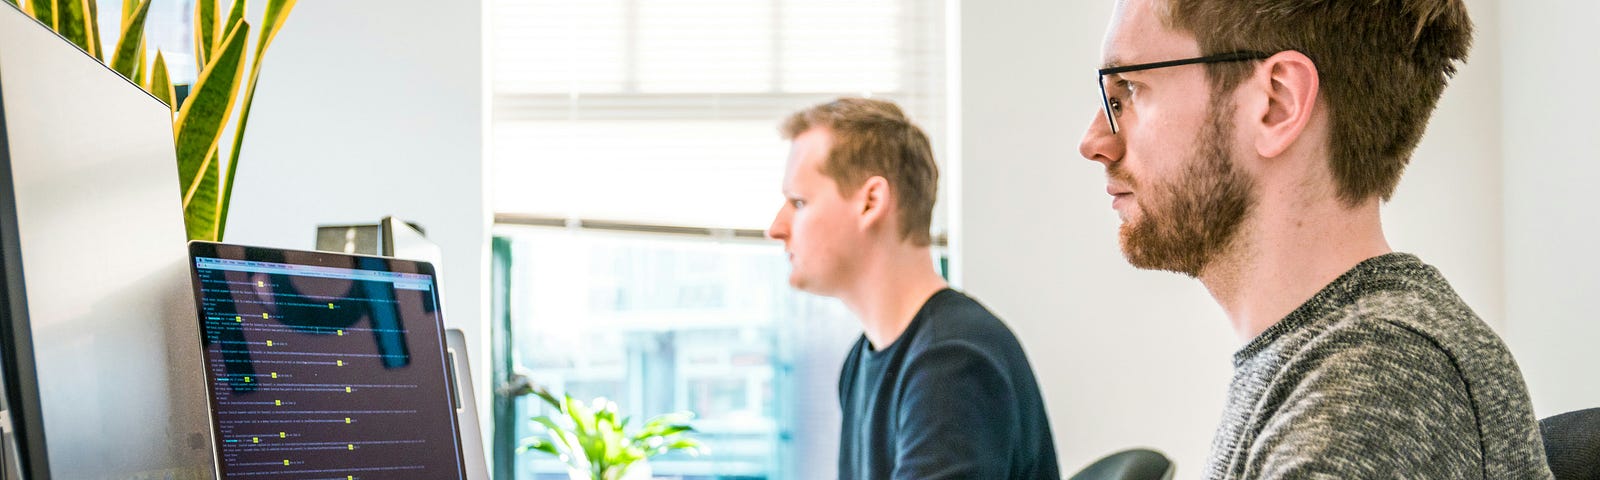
200 123
591 439
199 129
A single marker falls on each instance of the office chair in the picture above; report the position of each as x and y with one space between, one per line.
1134 464
1572 444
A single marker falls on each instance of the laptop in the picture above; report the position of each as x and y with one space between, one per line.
325 365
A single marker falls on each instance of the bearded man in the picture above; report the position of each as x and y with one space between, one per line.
1250 145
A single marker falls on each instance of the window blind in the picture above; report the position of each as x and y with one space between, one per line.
666 111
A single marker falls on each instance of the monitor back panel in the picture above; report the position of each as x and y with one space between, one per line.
324 365
99 320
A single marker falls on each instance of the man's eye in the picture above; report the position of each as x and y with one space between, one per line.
797 203
1120 96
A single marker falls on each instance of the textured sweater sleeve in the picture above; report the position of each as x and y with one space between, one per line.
1369 400
958 418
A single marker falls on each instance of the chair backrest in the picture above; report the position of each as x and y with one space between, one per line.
1134 464
1572 444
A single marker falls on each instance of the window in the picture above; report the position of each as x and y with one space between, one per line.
168 27
642 136
662 324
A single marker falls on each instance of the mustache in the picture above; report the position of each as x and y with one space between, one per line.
1116 173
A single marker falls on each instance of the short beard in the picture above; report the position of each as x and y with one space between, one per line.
1193 218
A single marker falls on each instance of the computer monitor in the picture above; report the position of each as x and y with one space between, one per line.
325 365
97 329
467 407
403 239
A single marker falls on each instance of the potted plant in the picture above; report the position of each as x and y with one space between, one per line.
595 444
221 49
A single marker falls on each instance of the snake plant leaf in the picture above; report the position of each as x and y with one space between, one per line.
72 17
94 30
200 212
130 45
45 11
199 127
141 72
160 81
272 21
205 30
235 14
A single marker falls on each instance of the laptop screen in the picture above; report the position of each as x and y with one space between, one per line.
324 365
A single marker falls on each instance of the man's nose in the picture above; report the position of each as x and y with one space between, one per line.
1098 143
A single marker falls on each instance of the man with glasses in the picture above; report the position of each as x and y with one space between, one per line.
1250 145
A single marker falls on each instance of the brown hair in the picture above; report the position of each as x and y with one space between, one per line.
1382 64
875 138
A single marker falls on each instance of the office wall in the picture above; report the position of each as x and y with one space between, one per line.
1134 358
1551 168
368 108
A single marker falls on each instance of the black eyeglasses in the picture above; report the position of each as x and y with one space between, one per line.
1112 111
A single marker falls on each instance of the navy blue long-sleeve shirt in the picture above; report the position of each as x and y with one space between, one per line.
952 397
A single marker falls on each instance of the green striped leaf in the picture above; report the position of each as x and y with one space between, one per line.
128 7
205 30
200 213
272 22
235 14
130 45
161 81
141 75
45 11
70 18
199 128
93 25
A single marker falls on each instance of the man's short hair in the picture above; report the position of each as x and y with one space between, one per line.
875 138
1382 64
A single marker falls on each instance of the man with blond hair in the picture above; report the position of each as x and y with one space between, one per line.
1249 144
937 387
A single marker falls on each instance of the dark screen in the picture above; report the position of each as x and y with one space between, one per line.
324 366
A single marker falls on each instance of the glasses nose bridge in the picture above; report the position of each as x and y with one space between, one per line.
1105 102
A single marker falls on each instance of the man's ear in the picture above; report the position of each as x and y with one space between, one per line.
876 200
1290 86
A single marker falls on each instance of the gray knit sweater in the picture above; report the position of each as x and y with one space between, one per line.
1385 373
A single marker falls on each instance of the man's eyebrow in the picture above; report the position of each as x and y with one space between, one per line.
1112 62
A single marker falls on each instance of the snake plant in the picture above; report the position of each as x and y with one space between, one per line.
594 444
222 45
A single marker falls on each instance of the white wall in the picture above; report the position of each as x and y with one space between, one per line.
1551 169
1133 358
1125 357
1447 209
368 108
